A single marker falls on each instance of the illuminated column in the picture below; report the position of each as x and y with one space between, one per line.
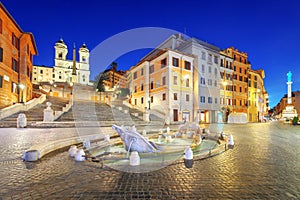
289 83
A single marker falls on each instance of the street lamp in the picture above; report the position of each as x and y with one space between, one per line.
224 83
51 82
71 84
21 86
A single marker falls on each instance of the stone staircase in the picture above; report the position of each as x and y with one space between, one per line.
35 114
91 111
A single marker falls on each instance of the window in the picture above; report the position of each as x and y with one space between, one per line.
216 83
83 78
60 55
164 96
240 70
175 96
245 72
203 68
142 100
151 69
209 82
202 81
241 102
255 77
234 68
135 89
216 71
163 80
202 99
241 89
1 26
203 55
83 59
163 62
187 97
209 69
216 60
15 65
1 81
221 63
15 41
142 71
174 80
234 76
1 54
255 84
241 78
41 71
187 83
209 100
151 99
216 100
187 65
134 75
135 101
142 87
151 85
53 75
209 58
175 62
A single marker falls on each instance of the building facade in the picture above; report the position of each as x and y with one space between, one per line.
162 82
240 79
17 49
206 79
113 79
257 96
226 85
63 68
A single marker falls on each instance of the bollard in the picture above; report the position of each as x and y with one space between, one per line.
144 133
168 130
86 144
222 135
188 157
107 138
21 121
159 139
134 159
72 151
230 142
80 155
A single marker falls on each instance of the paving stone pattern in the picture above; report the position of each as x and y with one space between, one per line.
264 164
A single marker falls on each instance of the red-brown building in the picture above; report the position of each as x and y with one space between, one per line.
16 57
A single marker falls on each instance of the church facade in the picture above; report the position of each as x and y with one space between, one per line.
62 70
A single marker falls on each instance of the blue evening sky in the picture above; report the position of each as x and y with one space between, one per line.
267 30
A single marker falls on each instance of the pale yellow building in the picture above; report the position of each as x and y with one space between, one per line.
226 85
162 83
257 96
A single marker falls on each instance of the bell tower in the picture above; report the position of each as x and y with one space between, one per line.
61 51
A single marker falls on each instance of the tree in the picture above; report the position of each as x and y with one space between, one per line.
99 86
114 66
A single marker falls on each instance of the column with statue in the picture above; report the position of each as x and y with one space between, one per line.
289 112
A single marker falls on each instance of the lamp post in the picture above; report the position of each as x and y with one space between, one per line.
71 84
51 82
21 86
224 83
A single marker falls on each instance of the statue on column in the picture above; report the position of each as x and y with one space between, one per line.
289 76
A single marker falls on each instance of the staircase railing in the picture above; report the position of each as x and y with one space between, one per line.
5 112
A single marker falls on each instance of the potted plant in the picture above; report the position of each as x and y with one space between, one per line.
295 121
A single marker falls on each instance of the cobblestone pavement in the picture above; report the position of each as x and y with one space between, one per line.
264 164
